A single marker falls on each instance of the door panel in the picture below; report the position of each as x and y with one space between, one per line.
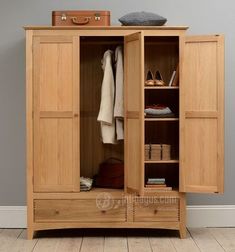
201 115
54 162
134 108
56 119
201 139
56 83
201 76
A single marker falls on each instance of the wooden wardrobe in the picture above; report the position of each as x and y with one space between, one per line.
63 86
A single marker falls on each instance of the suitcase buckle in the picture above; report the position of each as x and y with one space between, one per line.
63 17
97 16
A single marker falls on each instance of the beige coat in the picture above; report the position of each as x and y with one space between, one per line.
106 116
119 94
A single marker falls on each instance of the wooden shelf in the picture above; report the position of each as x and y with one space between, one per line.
156 192
164 87
173 161
95 191
153 119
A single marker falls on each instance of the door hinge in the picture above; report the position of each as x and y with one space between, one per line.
32 114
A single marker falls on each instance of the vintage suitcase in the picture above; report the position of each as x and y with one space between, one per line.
81 18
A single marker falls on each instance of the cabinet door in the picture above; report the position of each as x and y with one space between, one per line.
202 115
56 119
134 108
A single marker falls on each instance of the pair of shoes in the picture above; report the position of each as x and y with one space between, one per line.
156 81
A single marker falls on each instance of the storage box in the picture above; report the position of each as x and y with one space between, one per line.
166 152
157 152
81 18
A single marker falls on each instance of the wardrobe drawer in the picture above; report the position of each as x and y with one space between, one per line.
156 211
79 211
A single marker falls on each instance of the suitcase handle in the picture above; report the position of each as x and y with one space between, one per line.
77 22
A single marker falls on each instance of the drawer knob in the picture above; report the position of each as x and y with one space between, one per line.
155 211
57 211
103 211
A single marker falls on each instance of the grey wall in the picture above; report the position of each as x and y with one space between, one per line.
203 17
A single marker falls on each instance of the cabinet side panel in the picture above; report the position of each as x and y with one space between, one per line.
29 130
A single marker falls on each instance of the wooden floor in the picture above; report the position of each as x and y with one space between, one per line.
119 240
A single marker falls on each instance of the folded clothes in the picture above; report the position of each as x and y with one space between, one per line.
158 110
156 106
85 184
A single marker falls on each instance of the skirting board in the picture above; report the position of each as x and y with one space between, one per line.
197 216
211 216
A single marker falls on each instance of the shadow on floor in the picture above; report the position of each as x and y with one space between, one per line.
106 232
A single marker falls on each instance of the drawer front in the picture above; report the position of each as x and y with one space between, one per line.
79 211
156 211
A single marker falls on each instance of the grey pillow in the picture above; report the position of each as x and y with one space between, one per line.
142 18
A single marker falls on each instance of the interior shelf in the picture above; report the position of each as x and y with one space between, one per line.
162 119
173 161
163 87
148 191
96 190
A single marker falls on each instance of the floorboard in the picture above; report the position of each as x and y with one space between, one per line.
91 244
118 240
8 238
22 244
59 240
185 245
138 244
225 237
204 240
115 244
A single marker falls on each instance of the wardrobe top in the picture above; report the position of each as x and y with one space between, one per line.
105 28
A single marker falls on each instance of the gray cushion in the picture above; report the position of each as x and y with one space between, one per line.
142 18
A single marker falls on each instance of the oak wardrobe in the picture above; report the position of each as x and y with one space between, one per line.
63 83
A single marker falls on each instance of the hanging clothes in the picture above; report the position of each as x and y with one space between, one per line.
119 94
106 115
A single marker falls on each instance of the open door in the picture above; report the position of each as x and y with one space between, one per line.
202 115
134 112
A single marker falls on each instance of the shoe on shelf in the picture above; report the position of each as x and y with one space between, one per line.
149 79
158 80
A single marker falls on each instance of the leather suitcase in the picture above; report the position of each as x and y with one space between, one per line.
111 174
81 18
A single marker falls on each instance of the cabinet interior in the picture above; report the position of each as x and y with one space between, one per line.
92 150
163 132
160 53
168 171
